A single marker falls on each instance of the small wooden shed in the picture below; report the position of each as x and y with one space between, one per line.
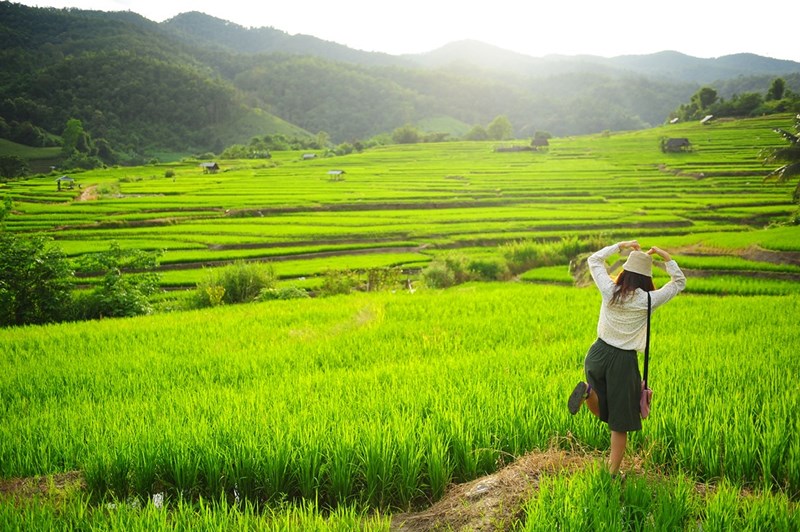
209 168
678 144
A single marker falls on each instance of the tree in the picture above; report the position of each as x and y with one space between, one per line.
407 134
323 139
500 128
705 97
477 133
776 90
71 136
34 280
789 155
12 166
128 282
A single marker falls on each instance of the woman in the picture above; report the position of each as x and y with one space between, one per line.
613 382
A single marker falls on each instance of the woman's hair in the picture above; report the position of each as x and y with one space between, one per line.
627 282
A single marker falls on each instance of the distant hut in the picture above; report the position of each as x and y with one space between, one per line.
336 175
209 168
706 119
66 181
309 156
540 142
675 145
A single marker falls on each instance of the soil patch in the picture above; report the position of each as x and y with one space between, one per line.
47 486
493 502
88 194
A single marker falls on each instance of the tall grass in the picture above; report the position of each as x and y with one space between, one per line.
382 399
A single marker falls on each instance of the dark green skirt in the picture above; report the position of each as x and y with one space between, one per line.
614 375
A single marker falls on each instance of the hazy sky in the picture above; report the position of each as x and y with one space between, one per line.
702 28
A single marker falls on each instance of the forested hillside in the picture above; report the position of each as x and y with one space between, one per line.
196 83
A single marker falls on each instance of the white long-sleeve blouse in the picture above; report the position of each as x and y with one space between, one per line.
624 324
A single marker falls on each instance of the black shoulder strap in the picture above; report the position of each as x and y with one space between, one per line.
647 343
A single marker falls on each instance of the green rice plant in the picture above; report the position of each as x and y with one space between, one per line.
378 459
311 467
438 462
342 469
722 510
409 462
278 459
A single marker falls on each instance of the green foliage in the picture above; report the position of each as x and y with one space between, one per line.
477 133
500 128
406 134
777 99
789 155
337 282
128 282
523 255
381 279
489 269
241 282
284 292
6 208
35 279
456 268
12 166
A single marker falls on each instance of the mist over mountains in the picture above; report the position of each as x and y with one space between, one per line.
199 83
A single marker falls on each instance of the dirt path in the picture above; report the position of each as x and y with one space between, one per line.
493 502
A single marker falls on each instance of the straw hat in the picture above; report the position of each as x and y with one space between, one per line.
639 262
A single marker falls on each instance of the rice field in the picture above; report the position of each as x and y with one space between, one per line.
440 196
345 412
381 401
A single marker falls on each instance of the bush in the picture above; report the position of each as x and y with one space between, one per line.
338 282
438 275
286 292
524 255
34 280
489 269
382 279
241 282
121 293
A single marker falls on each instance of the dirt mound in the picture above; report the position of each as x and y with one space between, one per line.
493 502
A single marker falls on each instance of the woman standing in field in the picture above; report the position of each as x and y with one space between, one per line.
613 382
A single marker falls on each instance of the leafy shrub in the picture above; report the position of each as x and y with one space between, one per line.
382 278
523 255
438 275
338 282
34 280
489 269
121 293
241 282
169 173
286 292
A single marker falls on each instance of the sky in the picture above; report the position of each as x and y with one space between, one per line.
700 28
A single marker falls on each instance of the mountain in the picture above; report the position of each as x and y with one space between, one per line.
666 65
203 30
199 83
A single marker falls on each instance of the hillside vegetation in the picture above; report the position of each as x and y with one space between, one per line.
195 84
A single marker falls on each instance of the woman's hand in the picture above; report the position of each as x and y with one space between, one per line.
660 252
632 244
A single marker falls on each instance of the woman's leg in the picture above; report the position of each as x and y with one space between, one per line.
593 403
618 442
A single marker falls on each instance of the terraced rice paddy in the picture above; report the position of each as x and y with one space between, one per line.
346 412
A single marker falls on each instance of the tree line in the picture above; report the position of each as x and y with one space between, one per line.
138 87
779 98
